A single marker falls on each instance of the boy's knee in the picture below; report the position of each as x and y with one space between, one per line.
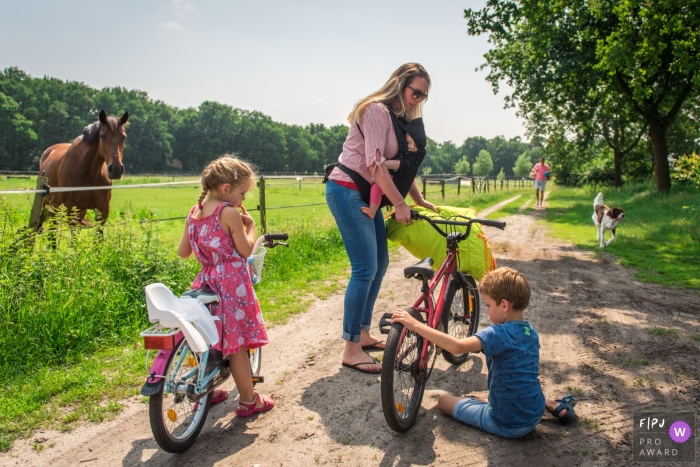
446 403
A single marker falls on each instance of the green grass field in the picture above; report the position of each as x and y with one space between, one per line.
75 312
659 238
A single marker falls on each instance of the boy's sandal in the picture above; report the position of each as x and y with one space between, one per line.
565 403
246 410
218 395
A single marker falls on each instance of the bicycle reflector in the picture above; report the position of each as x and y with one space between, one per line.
160 342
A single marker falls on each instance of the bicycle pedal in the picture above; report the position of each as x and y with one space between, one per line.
385 323
258 379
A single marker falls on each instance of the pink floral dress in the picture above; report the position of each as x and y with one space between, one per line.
226 272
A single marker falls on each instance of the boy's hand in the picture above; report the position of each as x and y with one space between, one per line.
403 317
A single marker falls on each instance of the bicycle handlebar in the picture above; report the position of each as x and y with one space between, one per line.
273 237
415 215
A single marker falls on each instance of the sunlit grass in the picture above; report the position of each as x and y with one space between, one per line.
659 238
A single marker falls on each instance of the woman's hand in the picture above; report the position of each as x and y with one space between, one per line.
428 205
403 317
403 213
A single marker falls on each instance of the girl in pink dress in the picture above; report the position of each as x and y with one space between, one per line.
222 237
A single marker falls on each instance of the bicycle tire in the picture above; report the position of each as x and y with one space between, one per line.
401 392
457 302
255 363
172 438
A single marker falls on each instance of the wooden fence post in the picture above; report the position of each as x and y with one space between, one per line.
459 184
424 182
473 186
261 206
442 183
35 217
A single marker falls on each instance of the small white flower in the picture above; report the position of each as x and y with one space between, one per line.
215 257
237 264
240 290
260 318
203 231
241 341
215 242
220 268
240 314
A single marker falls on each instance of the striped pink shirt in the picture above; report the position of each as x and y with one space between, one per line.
360 153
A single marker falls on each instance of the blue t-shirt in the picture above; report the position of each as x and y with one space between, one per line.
512 354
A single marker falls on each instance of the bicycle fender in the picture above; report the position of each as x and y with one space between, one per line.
154 381
459 276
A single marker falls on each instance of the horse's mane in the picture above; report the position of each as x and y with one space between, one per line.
92 131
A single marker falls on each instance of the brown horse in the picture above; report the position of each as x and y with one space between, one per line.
93 159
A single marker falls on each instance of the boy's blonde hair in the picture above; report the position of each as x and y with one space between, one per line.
393 89
226 169
506 284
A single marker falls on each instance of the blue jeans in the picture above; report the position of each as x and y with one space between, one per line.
366 245
477 413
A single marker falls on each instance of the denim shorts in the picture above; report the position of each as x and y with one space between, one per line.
539 184
476 413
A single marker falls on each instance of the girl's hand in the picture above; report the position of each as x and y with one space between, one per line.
246 218
403 317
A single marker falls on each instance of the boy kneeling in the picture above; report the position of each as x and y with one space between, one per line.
515 403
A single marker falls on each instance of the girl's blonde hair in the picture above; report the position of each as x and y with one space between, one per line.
226 169
392 90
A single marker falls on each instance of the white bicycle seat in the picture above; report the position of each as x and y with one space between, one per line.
173 312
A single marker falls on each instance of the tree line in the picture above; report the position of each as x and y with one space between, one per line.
36 113
611 87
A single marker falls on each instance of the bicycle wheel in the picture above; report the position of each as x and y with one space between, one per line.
402 381
460 314
255 363
176 419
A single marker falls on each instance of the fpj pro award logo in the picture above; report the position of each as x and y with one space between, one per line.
664 437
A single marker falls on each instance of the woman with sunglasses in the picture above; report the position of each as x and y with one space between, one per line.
373 138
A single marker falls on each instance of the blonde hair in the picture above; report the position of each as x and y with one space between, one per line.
392 90
506 284
226 169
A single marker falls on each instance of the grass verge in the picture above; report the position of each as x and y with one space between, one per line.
659 238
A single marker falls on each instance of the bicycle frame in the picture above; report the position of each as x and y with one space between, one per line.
433 312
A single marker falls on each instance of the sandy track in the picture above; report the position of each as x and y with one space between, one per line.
592 317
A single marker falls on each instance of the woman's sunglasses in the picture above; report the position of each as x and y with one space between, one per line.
417 94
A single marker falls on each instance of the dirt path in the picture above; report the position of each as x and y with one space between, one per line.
593 319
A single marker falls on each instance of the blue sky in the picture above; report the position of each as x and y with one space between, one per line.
298 61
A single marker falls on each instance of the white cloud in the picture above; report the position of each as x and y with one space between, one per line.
171 25
182 6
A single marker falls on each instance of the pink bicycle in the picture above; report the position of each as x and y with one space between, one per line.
406 365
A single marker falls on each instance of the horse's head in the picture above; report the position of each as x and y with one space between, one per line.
111 144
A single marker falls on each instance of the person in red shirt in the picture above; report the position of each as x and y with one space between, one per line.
541 176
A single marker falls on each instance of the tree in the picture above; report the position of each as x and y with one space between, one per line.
553 52
501 175
17 135
522 166
483 165
462 167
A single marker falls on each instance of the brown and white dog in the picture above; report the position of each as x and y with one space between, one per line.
606 218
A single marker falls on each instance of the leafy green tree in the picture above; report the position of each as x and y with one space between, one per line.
462 166
555 51
501 175
483 165
523 165
18 135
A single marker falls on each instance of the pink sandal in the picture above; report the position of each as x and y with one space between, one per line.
246 410
218 395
